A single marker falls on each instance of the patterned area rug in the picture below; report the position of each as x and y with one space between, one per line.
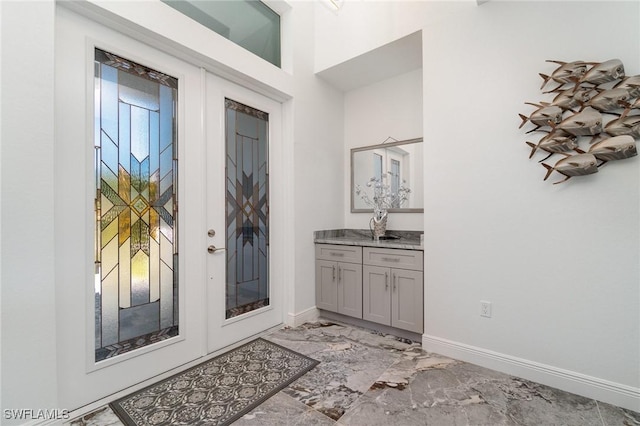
218 391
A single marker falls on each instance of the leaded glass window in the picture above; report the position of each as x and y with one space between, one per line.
247 211
136 281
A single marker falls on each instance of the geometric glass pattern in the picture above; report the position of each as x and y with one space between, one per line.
136 256
247 208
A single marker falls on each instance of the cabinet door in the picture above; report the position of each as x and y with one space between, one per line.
407 300
326 285
376 294
350 289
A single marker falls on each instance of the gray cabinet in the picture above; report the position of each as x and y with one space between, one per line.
339 279
380 285
393 288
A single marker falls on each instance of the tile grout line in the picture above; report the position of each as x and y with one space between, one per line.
600 413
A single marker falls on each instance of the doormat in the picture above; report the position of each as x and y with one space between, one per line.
218 391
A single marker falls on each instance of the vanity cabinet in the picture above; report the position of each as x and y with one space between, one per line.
381 285
339 279
392 288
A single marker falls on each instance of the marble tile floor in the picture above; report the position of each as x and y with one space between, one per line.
367 378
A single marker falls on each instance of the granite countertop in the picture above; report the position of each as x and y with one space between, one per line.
409 240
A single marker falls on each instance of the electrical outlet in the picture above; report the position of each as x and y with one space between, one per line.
485 309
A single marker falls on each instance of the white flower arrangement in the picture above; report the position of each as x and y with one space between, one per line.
383 197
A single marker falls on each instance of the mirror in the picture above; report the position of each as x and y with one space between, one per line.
401 161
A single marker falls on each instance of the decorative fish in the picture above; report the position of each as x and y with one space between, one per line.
586 122
632 84
631 106
572 98
604 72
567 72
611 99
573 165
615 148
543 115
554 144
625 125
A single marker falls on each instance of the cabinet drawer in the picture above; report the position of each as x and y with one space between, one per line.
394 258
339 253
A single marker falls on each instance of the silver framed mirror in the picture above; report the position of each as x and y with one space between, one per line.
401 160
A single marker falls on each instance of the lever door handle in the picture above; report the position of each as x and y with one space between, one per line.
213 249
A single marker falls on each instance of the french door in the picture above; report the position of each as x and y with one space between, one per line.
163 254
244 240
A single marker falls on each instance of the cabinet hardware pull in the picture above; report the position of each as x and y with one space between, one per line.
394 282
339 274
391 259
386 281
337 254
334 272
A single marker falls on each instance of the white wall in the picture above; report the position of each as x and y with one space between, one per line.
392 107
28 291
318 152
560 264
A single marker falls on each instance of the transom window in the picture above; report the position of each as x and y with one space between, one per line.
249 23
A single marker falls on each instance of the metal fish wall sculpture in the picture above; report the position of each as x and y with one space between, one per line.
543 115
573 165
554 144
583 123
571 98
604 72
630 83
567 72
614 148
609 100
625 125
596 104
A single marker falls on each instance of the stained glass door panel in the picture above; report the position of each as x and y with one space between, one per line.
247 209
136 281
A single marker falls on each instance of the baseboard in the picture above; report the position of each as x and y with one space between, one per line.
308 315
346 319
591 387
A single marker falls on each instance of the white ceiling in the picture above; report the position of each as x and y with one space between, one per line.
392 59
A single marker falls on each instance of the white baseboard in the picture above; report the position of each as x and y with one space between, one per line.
308 315
591 387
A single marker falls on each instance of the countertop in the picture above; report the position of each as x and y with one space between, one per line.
409 240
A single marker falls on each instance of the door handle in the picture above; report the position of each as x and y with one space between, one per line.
386 281
212 249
